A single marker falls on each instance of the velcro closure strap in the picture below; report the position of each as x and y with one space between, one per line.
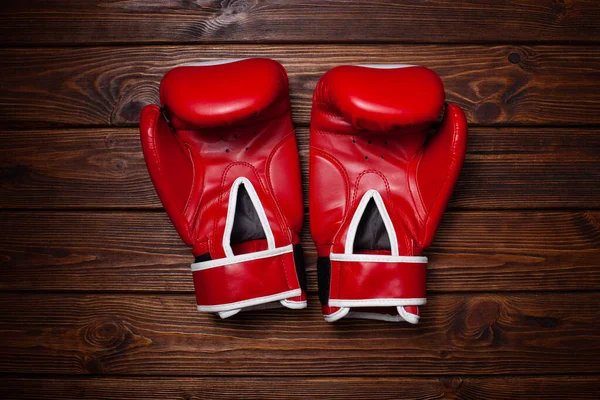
246 280
365 280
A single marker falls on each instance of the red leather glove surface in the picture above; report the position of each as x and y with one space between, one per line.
385 154
221 152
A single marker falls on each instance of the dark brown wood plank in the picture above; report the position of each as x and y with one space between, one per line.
496 85
443 21
164 335
490 388
104 168
473 251
83 168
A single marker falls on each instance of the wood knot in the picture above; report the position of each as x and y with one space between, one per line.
131 101
514 58
482 312
92 365
561 8
117 165
235 7
450 386
232 12
107 337
110 142
130 112
478 326
109 333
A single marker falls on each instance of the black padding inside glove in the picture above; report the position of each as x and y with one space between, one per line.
324 278
300 268
371 233
246 224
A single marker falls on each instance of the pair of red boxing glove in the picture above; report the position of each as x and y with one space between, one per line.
385 154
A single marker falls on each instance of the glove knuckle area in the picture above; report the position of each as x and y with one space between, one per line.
225 94
383 99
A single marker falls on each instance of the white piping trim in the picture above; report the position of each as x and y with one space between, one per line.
339 314
200 266
377 302
294 305
408 317
377 258
227 314
260 211
387 222
346 313
250 302
386 66
213 62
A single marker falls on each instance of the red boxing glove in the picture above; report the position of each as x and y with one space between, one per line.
382 169
222 155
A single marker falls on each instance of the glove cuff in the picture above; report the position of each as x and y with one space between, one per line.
374 281
263 279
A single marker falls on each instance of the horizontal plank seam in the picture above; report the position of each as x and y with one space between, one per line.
574 42
42 376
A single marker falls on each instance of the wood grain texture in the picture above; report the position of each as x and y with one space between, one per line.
125 251
96 295
165 335
467 388
104 168
113 21
496 85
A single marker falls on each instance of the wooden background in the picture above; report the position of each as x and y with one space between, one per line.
96 297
